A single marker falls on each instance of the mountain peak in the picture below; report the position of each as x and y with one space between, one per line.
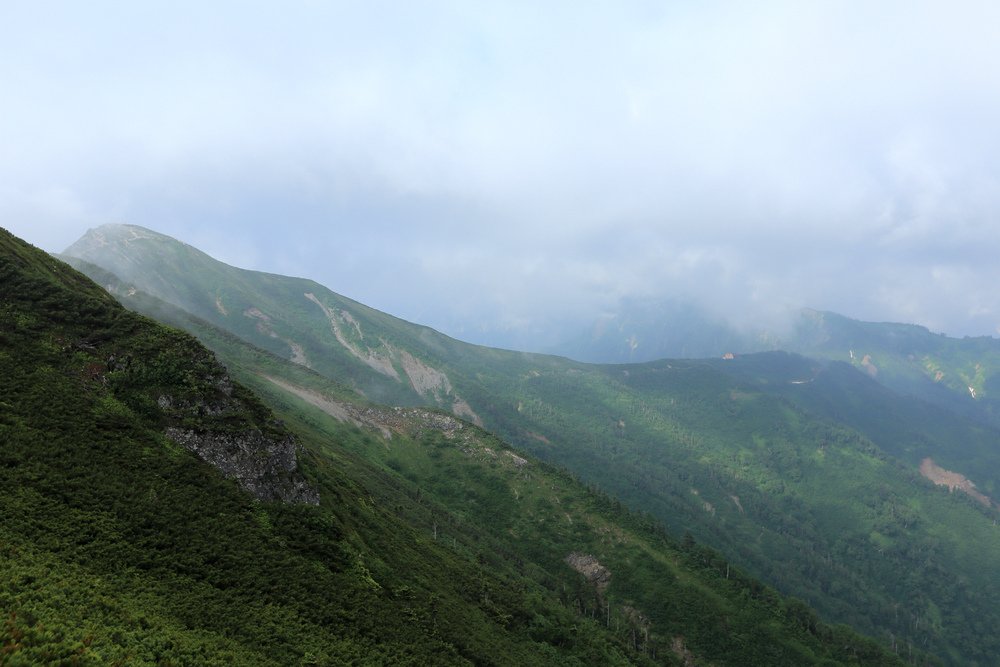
111 233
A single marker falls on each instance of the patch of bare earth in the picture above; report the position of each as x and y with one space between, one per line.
298 354
264 328
539 437
432 383
424 379
403 421
263 321
464 410
870 368
952 480
336 410
380 362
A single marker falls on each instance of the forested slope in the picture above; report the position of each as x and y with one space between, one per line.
121 547
820 507
406 537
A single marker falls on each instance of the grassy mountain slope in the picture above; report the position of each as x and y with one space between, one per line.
650 592
431 542
814 506
469 491
291 317
120 547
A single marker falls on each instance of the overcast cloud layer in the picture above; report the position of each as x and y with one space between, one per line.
488 165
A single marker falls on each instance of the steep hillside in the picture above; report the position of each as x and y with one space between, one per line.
294 318
623 570
120 546
811 504
417 538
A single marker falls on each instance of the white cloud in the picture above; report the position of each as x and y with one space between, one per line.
520 159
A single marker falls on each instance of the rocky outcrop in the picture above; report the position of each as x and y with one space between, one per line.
266 467
591 569
225 426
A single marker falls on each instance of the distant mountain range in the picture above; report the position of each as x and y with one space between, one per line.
637 330
962 375
908 358
874 503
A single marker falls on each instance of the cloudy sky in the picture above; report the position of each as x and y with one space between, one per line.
491 165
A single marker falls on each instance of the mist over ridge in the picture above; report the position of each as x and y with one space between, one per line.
490 173
638 330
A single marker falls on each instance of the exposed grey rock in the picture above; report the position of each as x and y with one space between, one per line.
591 568
266 467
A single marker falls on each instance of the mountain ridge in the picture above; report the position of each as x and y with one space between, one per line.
437 545
822 510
